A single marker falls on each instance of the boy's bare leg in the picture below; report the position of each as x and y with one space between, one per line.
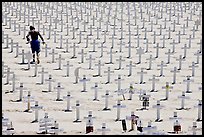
38 58
33 57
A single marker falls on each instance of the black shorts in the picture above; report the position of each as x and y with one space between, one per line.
35 46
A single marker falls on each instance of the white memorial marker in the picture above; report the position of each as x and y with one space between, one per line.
149 129
106 96
21 88
130 68
185 51
169 53
68 97
150 62
162 68
23 56
36 69
8 72
119 64
95 91
60 62
167 87
111 56
50 80
198 54
36 108
193 66
99 68
141 76
118 106
45 124
194 128
9 130
108 71
28 56
180 63
104 129
67 70
58 88
28 99
77 112
17 49
90 61
153 83
158 107
42 75
55 129
5 121
199 106
84 79
89 122
183 97
53 55
119 83
188 80
82 55
140 51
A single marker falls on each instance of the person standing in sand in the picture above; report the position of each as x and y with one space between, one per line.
35 43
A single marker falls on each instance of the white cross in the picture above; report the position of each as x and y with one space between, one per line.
188 80
106 96
140 51
67 66
180 63
118 106
161 69
141 76
153 83
183 97
28 99
68 98
169 53
167 87
53 55
60 62
193 66
158 107
42 75
77 106
90 61
84 79
99 68
199 106
36 69
120 64
50 80
36 107
89 123
21 88
58 88
104 129
174 75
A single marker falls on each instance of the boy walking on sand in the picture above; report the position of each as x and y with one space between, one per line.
35 43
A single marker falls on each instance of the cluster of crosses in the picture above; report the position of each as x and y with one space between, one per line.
80 49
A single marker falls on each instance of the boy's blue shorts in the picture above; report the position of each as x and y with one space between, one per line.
35 46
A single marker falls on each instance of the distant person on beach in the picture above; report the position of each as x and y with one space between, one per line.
35 43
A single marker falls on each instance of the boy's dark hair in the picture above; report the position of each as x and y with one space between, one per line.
32 28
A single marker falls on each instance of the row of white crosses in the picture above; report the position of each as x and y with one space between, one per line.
111 57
